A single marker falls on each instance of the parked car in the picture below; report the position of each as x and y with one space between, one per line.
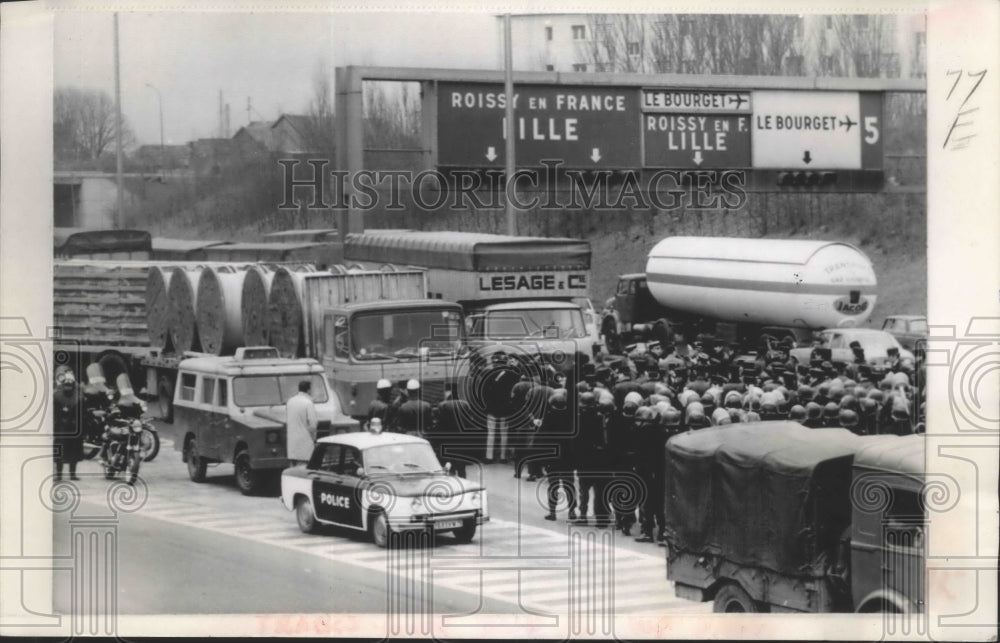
381 484
907 329
876 345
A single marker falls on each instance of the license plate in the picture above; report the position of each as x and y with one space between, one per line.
448 524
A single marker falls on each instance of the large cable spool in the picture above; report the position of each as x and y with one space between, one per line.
285 312
253 304
218 310
181 296
158 306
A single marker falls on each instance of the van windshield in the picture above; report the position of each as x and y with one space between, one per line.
275 390
406 334
541 323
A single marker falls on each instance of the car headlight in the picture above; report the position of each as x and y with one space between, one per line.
475 498
417 504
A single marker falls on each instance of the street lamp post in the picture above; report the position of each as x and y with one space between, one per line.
159 99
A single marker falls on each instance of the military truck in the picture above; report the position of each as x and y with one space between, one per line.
775 517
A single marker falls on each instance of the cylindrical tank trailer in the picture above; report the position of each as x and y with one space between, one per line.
781 282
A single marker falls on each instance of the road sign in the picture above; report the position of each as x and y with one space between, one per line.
815 130
582 126
696 140
695 101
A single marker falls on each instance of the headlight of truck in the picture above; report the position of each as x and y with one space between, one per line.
272 437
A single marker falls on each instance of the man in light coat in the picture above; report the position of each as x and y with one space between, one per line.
300 413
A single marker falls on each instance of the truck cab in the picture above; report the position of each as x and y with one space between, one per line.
633 305
361 343
232 409
544 327
887 544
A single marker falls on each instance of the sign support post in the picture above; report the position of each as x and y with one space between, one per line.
509 138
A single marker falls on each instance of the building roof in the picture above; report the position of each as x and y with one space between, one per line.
259 131
364 440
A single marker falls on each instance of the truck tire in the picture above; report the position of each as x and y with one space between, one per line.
196 465
248 479
731 598
165 398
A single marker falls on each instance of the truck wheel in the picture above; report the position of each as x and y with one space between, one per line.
247 479
305 516
196 465
165 399
732 598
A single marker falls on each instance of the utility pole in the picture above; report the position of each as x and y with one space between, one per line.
159 98
509 115
248 110
120 219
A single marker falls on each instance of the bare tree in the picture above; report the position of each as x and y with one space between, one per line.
84 124
320 133
706 44
862 42
392 118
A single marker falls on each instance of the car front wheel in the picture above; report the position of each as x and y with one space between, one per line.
380 530
247 478
305 516
466 532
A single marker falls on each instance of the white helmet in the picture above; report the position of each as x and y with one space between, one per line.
634 398
383 384
413 385
375 426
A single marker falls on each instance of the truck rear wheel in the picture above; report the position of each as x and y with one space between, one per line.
165 399
731 598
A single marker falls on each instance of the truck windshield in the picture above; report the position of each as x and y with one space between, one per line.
545 323
406 334
275 390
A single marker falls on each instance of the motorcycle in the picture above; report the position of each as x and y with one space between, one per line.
121 451
102 404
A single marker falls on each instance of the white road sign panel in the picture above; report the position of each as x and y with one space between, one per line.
803 130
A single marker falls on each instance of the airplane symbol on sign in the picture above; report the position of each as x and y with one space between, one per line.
738 99
848 123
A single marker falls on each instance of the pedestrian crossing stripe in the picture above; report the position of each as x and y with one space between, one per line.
537 545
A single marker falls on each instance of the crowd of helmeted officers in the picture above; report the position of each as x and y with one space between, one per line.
596 427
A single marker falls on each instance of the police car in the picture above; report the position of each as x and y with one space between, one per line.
381 483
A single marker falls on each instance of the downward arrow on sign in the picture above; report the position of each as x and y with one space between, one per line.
491 154
595 155
697 158
806 158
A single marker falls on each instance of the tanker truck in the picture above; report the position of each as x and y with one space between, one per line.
518 293
737 289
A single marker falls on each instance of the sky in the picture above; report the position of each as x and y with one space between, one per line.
269 57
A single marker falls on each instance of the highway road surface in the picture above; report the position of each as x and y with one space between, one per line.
190 548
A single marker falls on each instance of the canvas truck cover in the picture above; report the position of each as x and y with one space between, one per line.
766 494
78 241
468 251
